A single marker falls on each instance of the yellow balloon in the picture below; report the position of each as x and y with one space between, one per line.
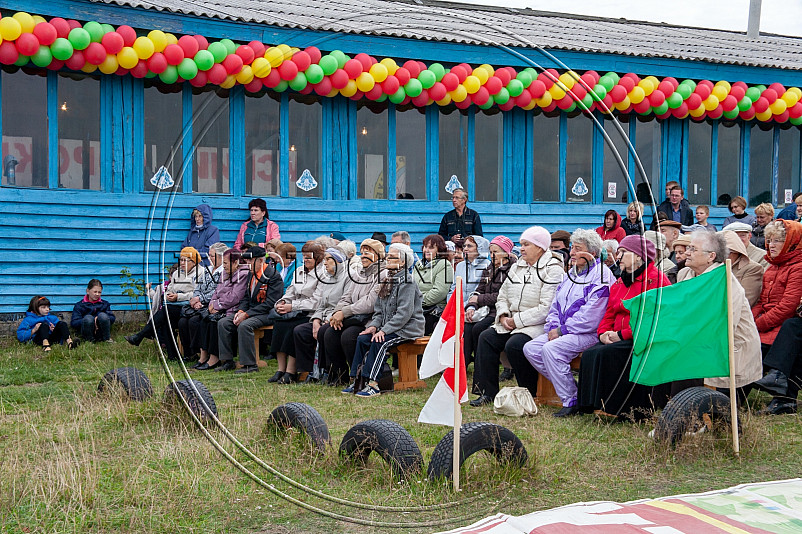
481 74
286 51
261 67
10 28
127 58
390 63
171 39
567 80
109 65
333 93
229 82
365 82
765 116
655 82
556 91
37 19
349 90
25 20
790 98
545 100
274 56
647 86
144 47
778 106
637 94
797 91
471 84
245 76
89 68
379 72
159 40
725 84
698 112
490 70
531 105
459 94
445 101
720 92
710 103
624 104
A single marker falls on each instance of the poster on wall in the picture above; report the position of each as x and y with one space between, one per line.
262 171
374 176
19 149
71 164
207 162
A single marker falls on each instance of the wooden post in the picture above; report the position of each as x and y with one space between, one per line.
736 447
457 371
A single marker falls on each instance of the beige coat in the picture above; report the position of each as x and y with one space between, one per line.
748 359
662 261
329 291
757 255
301 292
527 293
364 290
746 271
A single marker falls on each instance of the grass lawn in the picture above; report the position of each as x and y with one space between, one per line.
75 461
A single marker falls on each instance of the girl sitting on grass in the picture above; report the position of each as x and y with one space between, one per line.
92 316
42 327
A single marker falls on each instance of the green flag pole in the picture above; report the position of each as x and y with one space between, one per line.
736 447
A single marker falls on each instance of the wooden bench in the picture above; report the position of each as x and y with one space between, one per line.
258 334
545 389
408 363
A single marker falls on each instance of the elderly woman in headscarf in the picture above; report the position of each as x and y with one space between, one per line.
604 384
521 308
476 250
573 319
748 273
397 318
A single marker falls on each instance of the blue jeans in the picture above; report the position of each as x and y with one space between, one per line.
100 333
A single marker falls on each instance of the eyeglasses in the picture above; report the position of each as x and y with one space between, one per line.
693 249
775 241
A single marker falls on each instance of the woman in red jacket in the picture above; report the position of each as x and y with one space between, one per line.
612 227
604 372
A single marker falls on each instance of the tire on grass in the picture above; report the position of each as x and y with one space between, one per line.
134 382
389 440
474 437
193 399
304 418
688 408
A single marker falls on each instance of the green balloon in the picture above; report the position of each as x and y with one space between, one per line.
614 76
662 108
689 83
607 82
329 64
503 96
42 57
600 92
107 28
218 51
398 96
732 114
587 101
753 93
170 74
413 88
95 30
299 82
382 98
79 38
282 86
230 46
314 74
525 78
204 60
684 90
744 104
187 69
531 72
488 104
61 49
438 69
515 88
340 56
674 100
795 121
760 87
572 107
21 61
427 78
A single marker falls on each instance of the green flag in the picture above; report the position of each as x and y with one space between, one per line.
680 331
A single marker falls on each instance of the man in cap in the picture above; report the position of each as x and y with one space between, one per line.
671 231
744 233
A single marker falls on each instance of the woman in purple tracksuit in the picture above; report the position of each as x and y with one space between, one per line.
574 316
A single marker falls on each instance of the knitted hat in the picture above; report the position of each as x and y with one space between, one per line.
538 236
639 245
503 242
738 227
337 254
405 251
374 244
191 253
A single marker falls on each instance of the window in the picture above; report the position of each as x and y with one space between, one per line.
410 152
24 127
728 176
699 167
788 164
210 139
615 177
78 131
162 128
488 149
761 174
453 150
648 145
546 158
262 143
304 138
579 160
371 147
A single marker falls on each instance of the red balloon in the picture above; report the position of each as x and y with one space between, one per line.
795 111
642 106
128 34
390 85
481 96
438 91
450 80
246 53
776 87
56 64
314 54
457 71
45 32
618 93
607 101
8 53
308 89
302 59
203 44
121 71
413 68
657 98
748 115
738 92
62 27
403 75
258 48
631 76
579 91
255 86
374 93
503 76
508 105
174 54
339 79
157 63
364 59
113 42
76 61
537 89
287 70
703 91
271 80
422 99
769 94
353 68
189 45
729 103
551 107
493 85
761 104
95 54
666 87
782 117
324 87
356 96
465 104
74 24
140 70
673 81
590 79
28 44
422 65
707 83
681 111
694 101
665 115
199 81
523 99
627 83
467 68
716 113
565 102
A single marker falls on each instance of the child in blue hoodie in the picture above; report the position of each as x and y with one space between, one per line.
92 316
42 327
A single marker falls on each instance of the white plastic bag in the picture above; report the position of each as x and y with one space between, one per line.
514 401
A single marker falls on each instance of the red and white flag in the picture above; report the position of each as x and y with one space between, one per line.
439 356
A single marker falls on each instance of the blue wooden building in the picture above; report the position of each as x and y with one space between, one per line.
81 205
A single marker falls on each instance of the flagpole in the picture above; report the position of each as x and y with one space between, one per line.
457 372
736 446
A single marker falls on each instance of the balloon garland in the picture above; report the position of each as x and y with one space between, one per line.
89 47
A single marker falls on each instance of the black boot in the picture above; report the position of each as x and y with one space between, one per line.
775 382
135 339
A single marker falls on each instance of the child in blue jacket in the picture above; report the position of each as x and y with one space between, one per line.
92 316
42 327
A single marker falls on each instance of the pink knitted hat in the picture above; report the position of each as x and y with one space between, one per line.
503 242
538 236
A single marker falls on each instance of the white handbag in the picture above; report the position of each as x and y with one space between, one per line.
514 401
